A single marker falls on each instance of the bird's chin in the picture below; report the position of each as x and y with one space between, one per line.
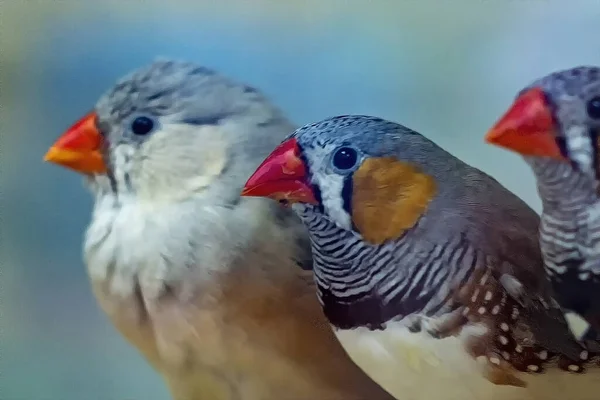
545 164
299 207
98 184
308 212
304 208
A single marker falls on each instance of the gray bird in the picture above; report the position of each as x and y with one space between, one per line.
207 285
554 123
428 269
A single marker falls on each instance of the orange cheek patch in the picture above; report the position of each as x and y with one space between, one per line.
388 198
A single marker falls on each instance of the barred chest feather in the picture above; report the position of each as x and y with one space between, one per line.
570 239
443 322
570 244
569 232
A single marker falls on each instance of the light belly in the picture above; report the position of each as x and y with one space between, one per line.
415 366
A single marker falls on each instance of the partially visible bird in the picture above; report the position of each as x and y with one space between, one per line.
554 123
207 285
428 269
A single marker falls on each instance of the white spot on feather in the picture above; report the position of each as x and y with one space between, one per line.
577 324
519 348
584 276
579 145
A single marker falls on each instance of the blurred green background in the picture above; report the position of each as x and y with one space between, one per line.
446 68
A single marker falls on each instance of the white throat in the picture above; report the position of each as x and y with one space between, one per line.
130 242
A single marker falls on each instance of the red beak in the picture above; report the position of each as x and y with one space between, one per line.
527 127
282 176
79 148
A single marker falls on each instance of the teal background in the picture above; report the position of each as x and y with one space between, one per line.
445 68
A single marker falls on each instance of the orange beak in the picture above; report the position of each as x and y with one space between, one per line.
282 176
527 127
79 148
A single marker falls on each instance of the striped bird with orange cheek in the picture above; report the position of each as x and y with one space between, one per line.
555 124
428 270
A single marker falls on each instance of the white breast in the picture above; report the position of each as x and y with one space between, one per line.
138 245
415 366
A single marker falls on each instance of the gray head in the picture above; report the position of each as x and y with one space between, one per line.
573 97
166 152
170 128
554 124
340 151
555 118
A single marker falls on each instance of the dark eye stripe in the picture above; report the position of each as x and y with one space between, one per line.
214 119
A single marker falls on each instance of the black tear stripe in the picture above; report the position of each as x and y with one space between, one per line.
560 140
347 190
105 150
103 128
594 138
316 190
347 194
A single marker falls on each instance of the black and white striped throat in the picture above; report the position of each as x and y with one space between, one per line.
368 285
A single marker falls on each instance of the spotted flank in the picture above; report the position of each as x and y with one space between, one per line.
511 334
417 366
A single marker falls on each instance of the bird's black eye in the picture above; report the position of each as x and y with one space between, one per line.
593 108
142 125
345 158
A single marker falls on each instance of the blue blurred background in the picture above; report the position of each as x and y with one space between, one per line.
446 68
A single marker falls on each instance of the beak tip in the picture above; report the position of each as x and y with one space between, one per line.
50 155
493 136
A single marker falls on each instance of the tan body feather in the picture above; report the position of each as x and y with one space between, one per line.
252 330
415 366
